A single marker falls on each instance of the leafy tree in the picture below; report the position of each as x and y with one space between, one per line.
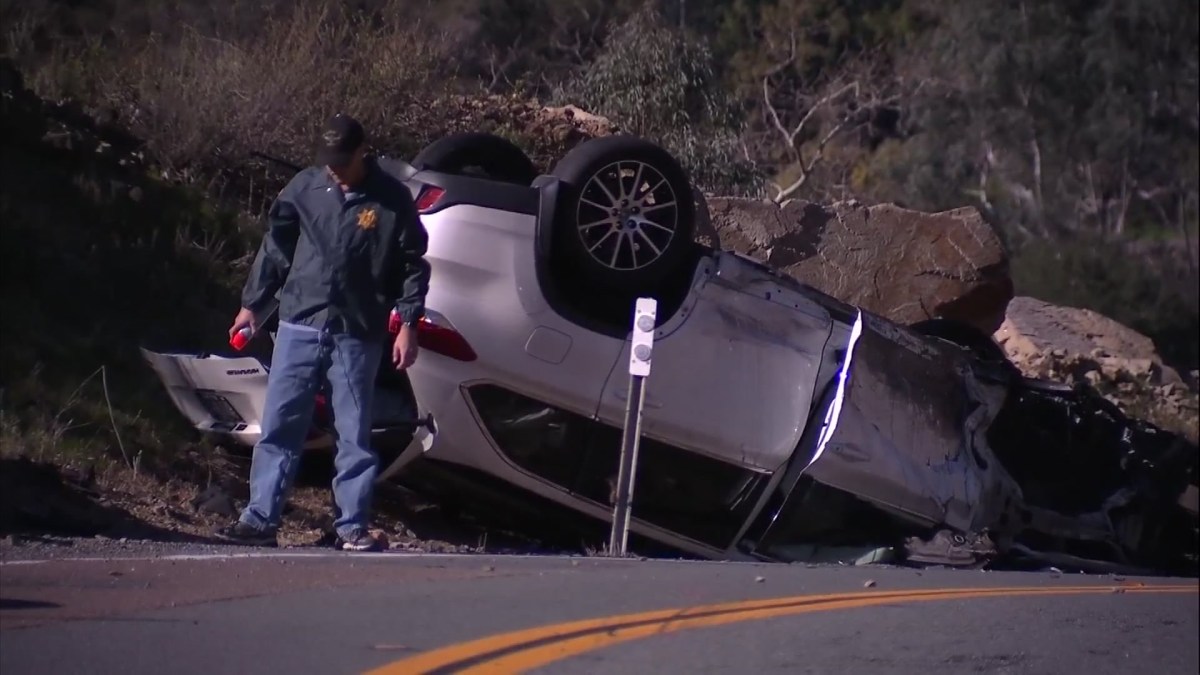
1069 111
1073 125
656 81
534 44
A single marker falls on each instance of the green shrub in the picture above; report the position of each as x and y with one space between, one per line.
656 82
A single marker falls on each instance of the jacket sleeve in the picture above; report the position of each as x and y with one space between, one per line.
274 259
410 270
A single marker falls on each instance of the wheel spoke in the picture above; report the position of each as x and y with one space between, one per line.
633 250
651 223
637 181
656 207
598 205
611 220
608 193
593 247
657 250
617 250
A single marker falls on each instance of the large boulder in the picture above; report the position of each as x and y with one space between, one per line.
902 264
1080 346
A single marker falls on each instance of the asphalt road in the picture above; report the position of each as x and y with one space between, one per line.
302 613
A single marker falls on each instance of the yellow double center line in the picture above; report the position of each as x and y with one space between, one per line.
523 650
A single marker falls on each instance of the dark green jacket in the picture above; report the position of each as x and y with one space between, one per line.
341 260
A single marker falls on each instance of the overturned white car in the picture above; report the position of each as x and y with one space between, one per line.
777 418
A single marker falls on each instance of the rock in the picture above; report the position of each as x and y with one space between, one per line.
216 500
905 265
586 122
1038 336
1080 346
381 537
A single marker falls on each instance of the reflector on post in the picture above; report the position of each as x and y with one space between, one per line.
640 352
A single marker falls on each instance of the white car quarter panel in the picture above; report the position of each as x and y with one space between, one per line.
548 345
484 282
735 380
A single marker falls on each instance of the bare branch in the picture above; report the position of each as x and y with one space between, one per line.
806 165
806 171
822 102
766 86
1180 197
499 67
775 114
746 151
801 119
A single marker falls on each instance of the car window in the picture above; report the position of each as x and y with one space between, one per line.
695 496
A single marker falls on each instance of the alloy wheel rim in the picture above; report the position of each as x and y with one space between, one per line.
627 215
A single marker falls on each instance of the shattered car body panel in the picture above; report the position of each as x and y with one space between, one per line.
911 434
928 440
778 419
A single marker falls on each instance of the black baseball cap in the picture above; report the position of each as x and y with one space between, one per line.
341 137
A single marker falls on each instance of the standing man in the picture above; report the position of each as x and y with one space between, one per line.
346 246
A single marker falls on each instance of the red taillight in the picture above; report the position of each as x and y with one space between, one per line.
443 340
429 196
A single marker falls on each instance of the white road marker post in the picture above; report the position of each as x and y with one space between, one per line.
639 369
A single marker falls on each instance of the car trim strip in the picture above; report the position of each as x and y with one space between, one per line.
835 410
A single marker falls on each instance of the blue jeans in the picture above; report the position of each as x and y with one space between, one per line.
303 358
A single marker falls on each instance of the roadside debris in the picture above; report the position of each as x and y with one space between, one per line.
879 556
951 549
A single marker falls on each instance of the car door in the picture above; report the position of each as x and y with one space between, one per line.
733 373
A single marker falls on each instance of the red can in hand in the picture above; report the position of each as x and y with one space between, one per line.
241 339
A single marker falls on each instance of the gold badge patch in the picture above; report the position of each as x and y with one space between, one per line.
366 219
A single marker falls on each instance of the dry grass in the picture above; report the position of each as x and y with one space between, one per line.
207 93
202 96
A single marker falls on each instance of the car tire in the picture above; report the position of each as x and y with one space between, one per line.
625 216
474 153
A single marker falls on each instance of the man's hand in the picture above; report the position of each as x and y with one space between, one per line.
243 319
404 349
